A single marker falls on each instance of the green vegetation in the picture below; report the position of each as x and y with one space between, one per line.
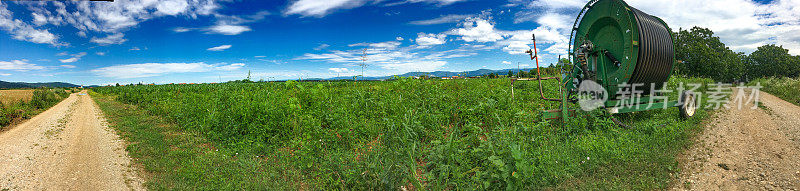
437 134
701 54
41 100
785 88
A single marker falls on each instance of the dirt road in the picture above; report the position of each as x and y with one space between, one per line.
68 147
747 149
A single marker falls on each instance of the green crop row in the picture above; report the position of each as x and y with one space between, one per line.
437 134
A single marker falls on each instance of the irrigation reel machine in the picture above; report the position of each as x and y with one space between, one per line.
613 47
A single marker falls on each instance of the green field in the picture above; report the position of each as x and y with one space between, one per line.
432 134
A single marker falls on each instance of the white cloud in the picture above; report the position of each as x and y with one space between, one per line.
150 69
99 18
414 65
506 62
260 56
23 31
219 48
68 60
117 38
231 67
116 17
743 25
227 29
68 66
318 8
399 38
516 47
338 70
321 8
424 39
395 59
181 29
441 2
380 45
19 65
100 53
39 19
241 19
322 46
4 74
477 30
437 2
134 48
75 57
480 33
158 69
172 7
441 20
230 24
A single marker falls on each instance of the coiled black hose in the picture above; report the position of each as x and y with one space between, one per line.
656 52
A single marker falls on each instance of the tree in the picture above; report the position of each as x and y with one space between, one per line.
522 74
700 53
563 61
771 60
510 73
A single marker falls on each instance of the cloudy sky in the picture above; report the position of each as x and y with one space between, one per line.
164 41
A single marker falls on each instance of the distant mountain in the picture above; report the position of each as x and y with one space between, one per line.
11 85
473 73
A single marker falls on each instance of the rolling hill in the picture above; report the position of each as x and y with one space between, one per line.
12 85
473 73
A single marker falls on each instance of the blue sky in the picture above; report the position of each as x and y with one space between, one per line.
130 41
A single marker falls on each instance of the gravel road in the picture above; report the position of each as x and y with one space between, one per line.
746 149
68 147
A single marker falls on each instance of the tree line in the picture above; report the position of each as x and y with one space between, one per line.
701 54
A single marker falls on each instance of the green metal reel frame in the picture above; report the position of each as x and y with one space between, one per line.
611 26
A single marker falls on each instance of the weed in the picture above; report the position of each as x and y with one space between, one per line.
784 88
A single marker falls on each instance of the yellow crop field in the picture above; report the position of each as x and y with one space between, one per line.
9 96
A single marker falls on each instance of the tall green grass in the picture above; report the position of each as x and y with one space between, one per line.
41 100
785 88
436 134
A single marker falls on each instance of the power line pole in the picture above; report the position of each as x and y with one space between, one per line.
363 62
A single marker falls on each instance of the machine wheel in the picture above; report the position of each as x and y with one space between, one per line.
688 104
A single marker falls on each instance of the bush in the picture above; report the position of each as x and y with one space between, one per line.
41 100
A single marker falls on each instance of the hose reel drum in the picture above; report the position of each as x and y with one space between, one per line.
615 45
